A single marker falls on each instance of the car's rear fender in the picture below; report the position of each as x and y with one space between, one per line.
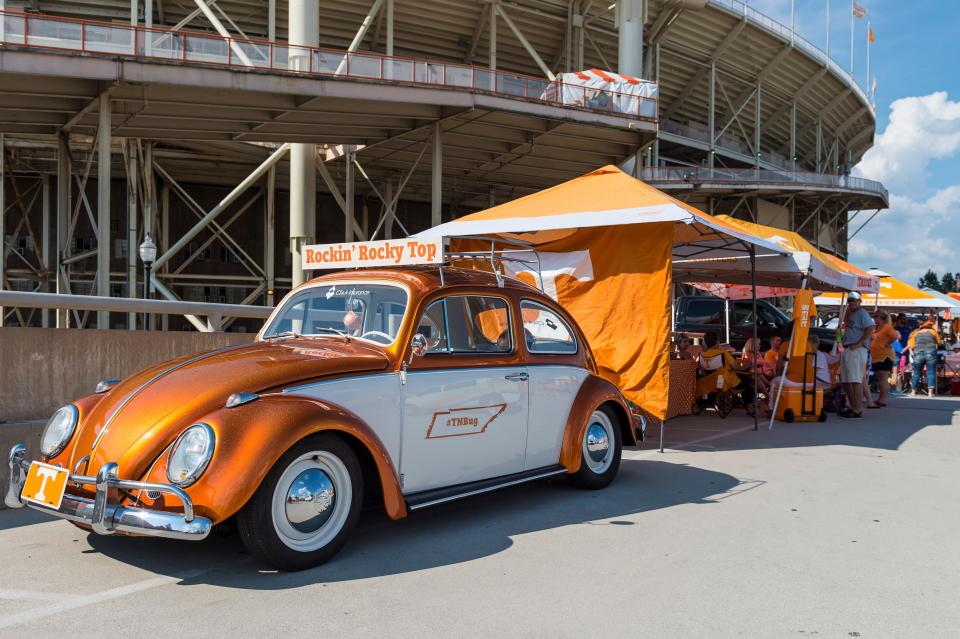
252 437
594 392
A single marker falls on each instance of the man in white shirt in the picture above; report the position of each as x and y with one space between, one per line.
857 331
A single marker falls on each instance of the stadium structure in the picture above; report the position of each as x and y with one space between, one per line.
236 131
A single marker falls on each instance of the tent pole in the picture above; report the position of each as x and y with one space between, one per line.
756 341
661 435
726 318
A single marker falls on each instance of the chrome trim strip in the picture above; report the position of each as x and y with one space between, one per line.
143 386
487 489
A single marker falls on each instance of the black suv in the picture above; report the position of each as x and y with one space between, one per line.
702 313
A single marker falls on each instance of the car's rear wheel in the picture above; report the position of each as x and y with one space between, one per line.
306 506
601 448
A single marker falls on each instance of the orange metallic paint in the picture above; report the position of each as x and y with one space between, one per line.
594 392
252 437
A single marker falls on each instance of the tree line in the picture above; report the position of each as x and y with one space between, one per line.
946 284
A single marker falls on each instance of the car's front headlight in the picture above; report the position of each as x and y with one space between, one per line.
59 430
190 455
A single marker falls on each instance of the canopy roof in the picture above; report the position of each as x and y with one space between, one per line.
705 248
824 268
894 293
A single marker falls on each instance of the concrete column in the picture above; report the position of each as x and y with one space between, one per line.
389 27
303 28
436 180
63 220
349 197
133 240
103 209
272 20
630 27
269 247
45 243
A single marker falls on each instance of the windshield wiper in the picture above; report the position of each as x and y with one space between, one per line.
283 334
335 331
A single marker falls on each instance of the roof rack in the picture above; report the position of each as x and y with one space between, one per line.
495 257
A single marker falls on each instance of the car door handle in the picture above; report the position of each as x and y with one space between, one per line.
517 377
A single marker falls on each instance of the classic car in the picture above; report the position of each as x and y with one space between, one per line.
405 387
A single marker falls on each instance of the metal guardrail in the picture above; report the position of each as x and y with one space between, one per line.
699 175
147 43
213 312
769 24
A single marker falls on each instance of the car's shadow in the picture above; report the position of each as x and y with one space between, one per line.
441 536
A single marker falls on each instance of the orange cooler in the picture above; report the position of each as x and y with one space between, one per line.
798 406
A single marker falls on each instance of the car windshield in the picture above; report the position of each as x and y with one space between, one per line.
368 311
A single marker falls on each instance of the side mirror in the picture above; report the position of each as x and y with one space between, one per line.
418 346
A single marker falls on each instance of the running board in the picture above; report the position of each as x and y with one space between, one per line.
416 501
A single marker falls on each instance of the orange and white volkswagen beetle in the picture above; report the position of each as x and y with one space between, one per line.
407 386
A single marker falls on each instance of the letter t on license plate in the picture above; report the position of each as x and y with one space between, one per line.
45 485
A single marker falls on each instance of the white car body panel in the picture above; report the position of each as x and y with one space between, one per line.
462 425
373 398
552 392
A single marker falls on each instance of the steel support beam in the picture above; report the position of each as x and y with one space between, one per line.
436 176
357 38
45 234
64 207
350 198
224 203
133 240
526 43
712 112
218 26
103 209
270 237
698 76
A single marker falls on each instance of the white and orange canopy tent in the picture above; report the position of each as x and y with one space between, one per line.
601 89
893 293
608 246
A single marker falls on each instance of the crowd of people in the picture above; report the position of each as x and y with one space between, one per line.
876 342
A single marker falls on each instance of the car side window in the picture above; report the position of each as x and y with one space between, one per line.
704 311
545 331
461 324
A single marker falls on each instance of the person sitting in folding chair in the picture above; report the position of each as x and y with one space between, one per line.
717 367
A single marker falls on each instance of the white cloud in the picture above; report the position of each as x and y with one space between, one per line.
921 129
920 230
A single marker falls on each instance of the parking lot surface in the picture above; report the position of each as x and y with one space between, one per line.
843 529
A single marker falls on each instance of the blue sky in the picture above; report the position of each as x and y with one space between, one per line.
917 148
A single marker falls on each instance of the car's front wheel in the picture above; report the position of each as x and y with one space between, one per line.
601 448
306 506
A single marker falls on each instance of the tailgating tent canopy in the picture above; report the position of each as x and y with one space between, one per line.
601 89
826 272
893 293
607 247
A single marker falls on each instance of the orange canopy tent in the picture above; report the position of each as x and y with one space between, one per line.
603 245
893 293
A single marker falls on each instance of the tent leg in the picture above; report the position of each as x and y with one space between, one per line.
756 341
661 435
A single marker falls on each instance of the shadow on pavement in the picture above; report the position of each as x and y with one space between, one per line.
886 428
16 517
445 535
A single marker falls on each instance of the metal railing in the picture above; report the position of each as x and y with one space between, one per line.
144 43
769 24
213 312
699 175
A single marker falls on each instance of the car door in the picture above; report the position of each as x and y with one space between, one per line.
465 401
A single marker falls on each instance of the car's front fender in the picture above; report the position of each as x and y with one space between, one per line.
251 438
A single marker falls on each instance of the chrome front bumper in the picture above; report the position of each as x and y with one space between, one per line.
104 514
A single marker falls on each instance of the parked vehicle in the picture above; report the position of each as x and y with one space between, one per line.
702 313
406 386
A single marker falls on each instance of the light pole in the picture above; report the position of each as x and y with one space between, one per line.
148 255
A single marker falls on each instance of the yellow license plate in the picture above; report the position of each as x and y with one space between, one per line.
45 485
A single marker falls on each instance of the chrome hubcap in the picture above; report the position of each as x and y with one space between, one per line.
597 442
310 500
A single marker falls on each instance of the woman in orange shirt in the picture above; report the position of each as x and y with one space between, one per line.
881 354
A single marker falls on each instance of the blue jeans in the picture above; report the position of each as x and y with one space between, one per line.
930 360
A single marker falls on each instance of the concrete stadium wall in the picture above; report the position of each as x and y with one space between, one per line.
44 368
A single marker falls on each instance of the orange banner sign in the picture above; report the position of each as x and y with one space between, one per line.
803 312
402 252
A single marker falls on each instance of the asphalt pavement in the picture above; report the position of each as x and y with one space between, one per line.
849 528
